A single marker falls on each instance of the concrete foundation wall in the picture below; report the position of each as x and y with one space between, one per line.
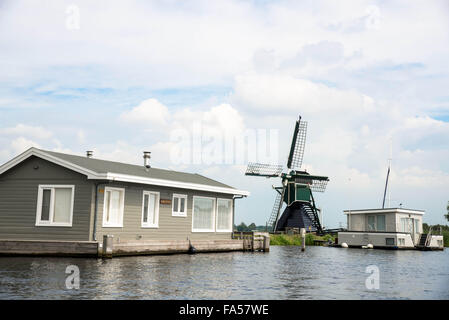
49 248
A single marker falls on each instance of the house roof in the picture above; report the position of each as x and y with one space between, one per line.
385 210
117 171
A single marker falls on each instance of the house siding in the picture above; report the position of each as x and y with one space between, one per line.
18 201
356 222
170 228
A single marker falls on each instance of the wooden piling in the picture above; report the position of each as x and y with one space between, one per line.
108 245
302 231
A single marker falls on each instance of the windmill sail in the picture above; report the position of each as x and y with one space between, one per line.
316 183
278 202
264 170
298 145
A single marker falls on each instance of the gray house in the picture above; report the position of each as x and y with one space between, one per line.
50 196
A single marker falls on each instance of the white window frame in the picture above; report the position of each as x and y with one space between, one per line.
179 213
230 218
122 208
214 208
50 223
376 216
374 223
156 210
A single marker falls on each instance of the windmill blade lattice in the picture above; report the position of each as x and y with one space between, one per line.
278 202
298 145
316 185
264 170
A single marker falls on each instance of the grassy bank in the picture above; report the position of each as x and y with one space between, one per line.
295 240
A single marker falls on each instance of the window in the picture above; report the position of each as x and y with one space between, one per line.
55 205
403 225
417 226
150 209
401 241
380 223
389 241
371 223
224 215
179 206
406 225
203 214
114 204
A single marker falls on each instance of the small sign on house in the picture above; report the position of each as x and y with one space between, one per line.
165 201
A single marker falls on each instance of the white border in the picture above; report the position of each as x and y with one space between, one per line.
179 213
158 197
176 184
388 210
230 218
52 187
214 206
122 209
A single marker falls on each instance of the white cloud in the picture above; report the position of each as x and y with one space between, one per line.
170 44
286 93
148 113
21 144
35 132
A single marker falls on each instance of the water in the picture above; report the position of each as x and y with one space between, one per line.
284 273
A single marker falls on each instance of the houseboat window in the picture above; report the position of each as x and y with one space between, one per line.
401 241
417 226
55 205
45 214
371 223
150 213
389 241
179 205
403 225
224 215
406 225
114 201
203 217
380 224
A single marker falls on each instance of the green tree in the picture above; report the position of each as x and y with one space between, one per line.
242 227
252 227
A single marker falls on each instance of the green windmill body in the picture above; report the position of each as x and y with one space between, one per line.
296 189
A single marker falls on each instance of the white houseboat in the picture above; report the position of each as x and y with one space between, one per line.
390 228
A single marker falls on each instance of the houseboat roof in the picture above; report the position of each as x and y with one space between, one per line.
98 169
385 210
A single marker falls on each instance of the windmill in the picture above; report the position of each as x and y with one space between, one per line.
295 190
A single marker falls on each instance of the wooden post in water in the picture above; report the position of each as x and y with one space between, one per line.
107 245
302 231
266 243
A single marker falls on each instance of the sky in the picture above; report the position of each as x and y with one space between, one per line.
207 86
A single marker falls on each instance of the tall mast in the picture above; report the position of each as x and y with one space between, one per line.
389 168
386 186
388 176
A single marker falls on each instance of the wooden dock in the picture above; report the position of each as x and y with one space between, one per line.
108 248
254 241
